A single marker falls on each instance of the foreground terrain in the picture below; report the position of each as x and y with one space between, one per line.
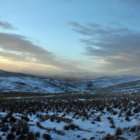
71 117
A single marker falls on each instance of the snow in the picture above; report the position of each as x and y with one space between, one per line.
26 84
99 129
89 127
44 85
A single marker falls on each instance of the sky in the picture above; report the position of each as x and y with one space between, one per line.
70 37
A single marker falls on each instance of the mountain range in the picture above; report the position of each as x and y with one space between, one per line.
18 82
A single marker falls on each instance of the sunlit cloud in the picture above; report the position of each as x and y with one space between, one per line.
103 61
118 48
23 55
9 63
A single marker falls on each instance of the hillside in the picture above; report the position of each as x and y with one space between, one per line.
16 82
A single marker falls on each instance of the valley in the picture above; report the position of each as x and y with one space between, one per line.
39 108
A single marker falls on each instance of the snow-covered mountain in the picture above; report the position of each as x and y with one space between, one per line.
16 82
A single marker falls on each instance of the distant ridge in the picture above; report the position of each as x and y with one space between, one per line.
20 82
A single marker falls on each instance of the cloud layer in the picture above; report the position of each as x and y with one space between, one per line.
19 52
131 3
116 48
6 25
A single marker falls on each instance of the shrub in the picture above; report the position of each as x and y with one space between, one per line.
133 129
118 131
10 136
109 137
21 137
71 126
30 136
37 134
46 136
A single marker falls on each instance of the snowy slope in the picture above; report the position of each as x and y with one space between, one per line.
12 82
27 84
111 81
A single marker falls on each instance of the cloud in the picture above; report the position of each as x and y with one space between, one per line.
117 47
18 44
18 49
6 25
18 53
130 3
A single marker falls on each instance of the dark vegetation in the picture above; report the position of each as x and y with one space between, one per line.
16 123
